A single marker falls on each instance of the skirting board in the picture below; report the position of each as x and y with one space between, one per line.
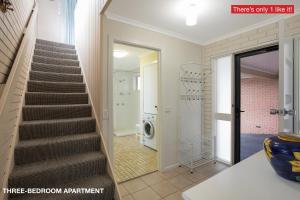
125 132
170 167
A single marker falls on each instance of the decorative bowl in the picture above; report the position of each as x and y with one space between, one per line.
283 152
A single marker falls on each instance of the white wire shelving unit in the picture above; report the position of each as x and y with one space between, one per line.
195 149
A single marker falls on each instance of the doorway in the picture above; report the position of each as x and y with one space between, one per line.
135 115
256 98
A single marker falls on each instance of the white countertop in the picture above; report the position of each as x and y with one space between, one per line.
251 179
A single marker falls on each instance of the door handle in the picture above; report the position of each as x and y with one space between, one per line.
282 112
274 111
242 111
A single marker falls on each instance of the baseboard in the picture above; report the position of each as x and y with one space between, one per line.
170 167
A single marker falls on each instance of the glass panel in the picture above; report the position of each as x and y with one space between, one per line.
223 80
223 140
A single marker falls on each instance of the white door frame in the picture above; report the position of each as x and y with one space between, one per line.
233 53
110 122
296 84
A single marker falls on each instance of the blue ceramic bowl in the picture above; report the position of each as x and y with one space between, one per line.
283 152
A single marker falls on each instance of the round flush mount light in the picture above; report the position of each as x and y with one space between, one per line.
191 9
191 16
120 53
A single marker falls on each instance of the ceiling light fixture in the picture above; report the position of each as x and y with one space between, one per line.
191 16
120 53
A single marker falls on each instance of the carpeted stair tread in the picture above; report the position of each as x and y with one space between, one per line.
55 61
42 67
55 77
52 172
29 151
56 44
48 112
98 181
53 128
39 98
54 49
55 87
51 54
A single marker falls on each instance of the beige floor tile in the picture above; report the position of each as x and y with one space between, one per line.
168 174
146 194
195 177
181 169
208 172
122 190
209 169
220 166
134 185
189 187
152 178
128 197
181 181
168 185
164 188
175 196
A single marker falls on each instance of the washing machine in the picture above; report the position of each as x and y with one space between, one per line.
149 131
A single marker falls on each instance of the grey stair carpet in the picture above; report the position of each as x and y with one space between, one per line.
48 112
28 151
55 87
55 61
58 145
55 77
56 44
40 98
54 49
42 67
40 52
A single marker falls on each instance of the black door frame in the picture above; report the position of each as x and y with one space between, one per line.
237 98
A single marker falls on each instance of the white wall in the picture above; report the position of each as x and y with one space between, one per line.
51 20
174 52
126 101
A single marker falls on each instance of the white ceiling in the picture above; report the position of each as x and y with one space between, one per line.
266 62
214 20
132 61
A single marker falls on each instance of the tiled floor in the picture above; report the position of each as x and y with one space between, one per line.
132 159
166 185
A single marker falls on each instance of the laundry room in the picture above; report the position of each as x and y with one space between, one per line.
135 110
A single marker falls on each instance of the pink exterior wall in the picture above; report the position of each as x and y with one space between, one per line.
258 96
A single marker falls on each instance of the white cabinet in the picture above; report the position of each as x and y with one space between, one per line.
150 88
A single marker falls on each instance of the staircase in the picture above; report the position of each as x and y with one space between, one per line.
58 145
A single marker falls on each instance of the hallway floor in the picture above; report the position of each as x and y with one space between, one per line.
252 143
132 159
167 185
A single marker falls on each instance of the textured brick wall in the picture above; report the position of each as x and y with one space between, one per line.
258 96
292 26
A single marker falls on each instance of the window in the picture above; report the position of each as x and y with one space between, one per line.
223 78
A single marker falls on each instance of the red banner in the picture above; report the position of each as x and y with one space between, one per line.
262 9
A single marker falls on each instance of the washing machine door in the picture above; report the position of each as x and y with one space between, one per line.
148 129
